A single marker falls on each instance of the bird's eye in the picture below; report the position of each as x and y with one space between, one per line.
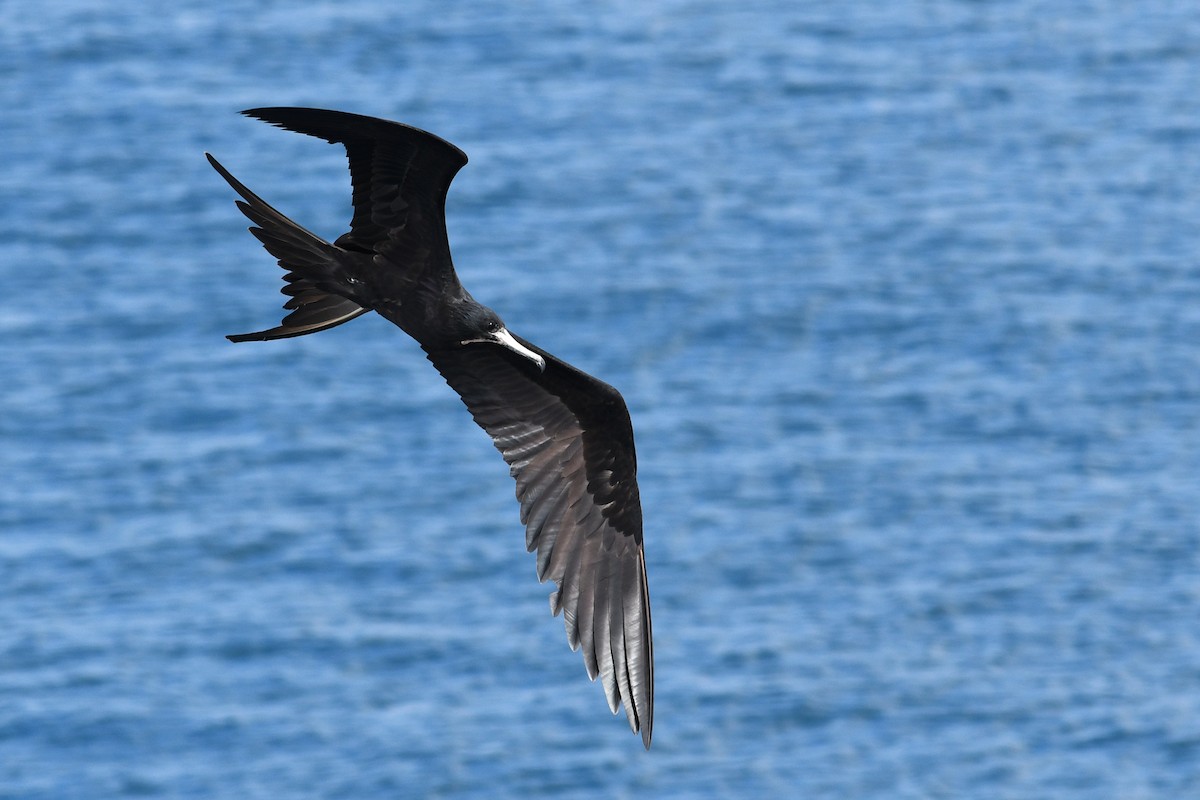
494 326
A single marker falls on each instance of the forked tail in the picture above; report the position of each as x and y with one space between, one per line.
312 264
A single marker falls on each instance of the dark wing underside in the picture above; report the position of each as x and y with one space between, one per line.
568 442
400 176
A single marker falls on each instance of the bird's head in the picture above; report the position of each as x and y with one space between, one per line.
483 326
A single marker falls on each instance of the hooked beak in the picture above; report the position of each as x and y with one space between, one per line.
505 339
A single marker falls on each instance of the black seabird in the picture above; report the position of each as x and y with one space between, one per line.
566 436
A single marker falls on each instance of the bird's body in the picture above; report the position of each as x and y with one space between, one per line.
566 436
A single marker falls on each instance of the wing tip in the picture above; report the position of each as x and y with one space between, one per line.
292 118
246 337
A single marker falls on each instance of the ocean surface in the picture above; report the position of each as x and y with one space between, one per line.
904 299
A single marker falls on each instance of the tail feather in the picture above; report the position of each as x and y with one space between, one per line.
308 259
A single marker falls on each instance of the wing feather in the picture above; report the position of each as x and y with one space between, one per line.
602 612
568 443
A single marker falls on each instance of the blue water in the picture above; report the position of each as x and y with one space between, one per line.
904 299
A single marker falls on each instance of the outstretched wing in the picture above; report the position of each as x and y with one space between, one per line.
400 177
569 443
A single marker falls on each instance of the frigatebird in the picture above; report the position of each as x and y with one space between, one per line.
566 435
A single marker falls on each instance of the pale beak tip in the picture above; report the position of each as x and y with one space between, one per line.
505 339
